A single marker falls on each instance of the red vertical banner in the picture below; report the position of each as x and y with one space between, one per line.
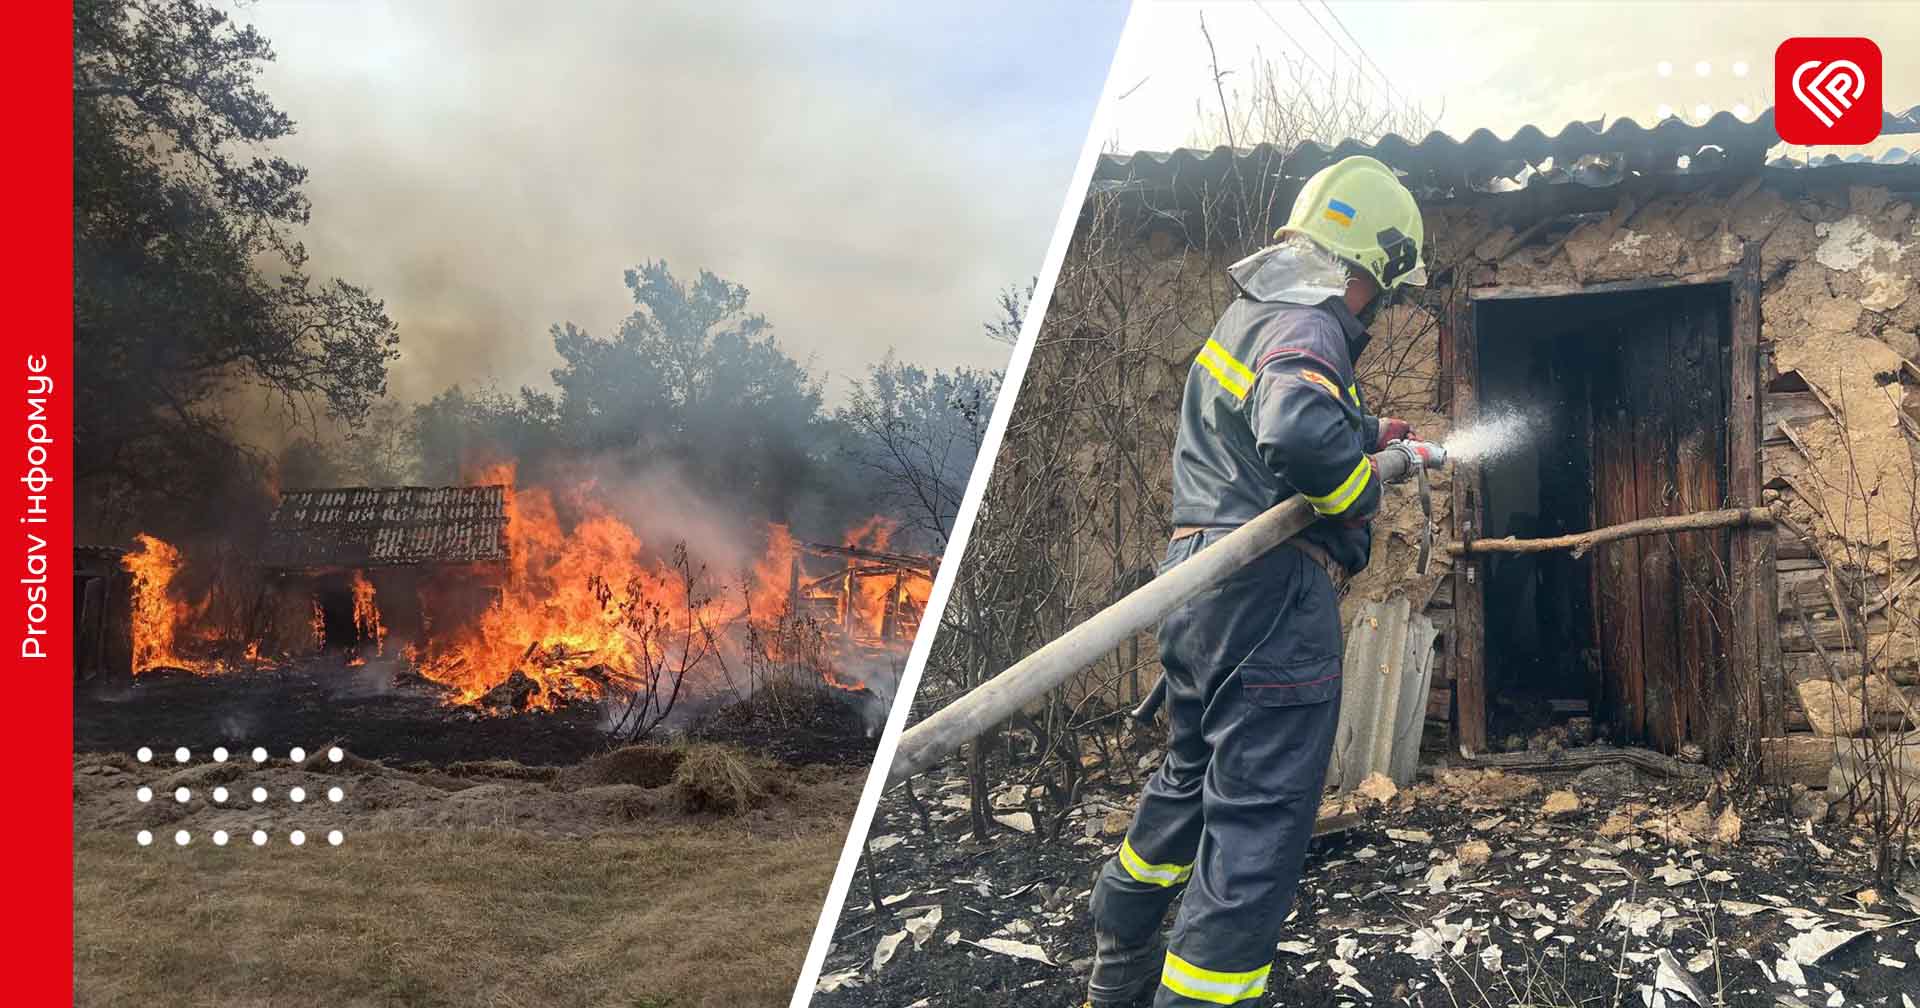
38 369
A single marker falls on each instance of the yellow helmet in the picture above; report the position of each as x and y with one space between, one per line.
1358 210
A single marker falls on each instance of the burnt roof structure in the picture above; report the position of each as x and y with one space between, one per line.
1210 195
356 527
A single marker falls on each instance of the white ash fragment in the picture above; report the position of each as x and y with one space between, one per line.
921 928
1674 875
884 951
1018 950
830 982
1809 947
1022 821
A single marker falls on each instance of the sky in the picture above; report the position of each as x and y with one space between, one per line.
1499 66
876 174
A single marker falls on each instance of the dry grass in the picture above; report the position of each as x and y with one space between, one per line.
645 764
718 778
683 916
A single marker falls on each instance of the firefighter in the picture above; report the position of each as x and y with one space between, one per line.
1271 409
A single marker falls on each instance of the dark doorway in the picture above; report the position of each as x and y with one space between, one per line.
333 597
1625 394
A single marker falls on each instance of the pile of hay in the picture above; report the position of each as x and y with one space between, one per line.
722 779
648 766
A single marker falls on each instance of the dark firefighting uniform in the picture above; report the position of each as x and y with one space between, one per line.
1271 409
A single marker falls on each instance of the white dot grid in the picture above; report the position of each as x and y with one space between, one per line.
183 838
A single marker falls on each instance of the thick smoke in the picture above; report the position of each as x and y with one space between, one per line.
491 169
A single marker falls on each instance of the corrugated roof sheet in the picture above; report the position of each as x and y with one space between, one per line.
1588 153
388 526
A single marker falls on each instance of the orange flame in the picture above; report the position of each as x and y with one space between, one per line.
157 616
366 614
585 609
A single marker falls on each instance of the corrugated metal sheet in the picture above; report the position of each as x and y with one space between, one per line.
1591 154
387 526
1383 697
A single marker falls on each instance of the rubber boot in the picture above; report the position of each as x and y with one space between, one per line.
1124 975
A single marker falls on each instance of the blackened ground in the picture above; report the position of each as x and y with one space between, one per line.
1552 895
375 715
797 724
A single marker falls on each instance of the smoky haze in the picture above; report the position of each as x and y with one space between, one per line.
874 176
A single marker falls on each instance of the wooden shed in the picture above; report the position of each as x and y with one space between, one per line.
428 553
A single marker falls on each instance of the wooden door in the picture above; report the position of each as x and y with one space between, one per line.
1662 602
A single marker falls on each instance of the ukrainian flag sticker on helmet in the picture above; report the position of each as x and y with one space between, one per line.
1340 213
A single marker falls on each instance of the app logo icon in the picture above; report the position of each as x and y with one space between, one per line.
1827 90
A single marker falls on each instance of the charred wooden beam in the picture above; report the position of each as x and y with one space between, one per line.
923 563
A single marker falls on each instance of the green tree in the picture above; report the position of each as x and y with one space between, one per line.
694 378
188 280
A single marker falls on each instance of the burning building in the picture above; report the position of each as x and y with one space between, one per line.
518 597
352 563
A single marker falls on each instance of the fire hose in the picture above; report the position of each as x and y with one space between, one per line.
999 698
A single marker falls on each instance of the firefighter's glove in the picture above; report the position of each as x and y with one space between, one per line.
1393 429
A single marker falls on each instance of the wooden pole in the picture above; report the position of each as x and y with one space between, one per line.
1581 542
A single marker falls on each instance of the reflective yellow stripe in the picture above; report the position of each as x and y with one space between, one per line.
1353 392
1213 986
1344 496
1230 373
1152 874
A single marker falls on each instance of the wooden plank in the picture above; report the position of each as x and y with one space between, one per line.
1752 553
1616 565
1797 759
1700 558
1468 648
1650 395
1791 407
1511 292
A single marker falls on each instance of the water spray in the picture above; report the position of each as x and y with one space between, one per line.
1498 433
